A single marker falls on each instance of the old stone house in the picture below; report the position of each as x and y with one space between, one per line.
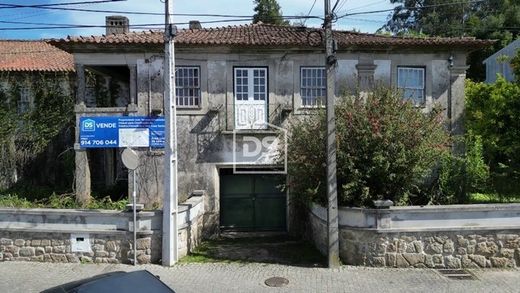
29 71
227 77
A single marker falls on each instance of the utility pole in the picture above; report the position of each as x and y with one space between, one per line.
332 192
170 233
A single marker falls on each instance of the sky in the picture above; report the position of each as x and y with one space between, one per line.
364 23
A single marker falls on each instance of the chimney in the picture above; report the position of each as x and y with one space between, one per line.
195 25
116 24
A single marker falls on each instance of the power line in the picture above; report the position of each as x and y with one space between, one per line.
53 5
43 6
139 26
368 5
46 25
310 11
335 5
343 4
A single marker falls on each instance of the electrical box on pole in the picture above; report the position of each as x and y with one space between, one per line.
332 193
170 232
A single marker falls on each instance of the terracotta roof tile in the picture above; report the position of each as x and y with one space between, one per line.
271 36
33 56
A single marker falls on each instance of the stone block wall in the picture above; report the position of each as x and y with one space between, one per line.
442 249
440 237
56 247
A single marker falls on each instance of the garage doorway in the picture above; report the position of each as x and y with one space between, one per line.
252 202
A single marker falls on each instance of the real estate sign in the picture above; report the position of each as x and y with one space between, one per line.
121 131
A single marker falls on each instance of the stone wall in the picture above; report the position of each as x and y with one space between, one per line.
484 236
442 249
56 247
48 235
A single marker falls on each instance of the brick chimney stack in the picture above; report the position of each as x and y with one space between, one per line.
117 24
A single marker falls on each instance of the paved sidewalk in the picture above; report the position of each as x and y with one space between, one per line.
34 277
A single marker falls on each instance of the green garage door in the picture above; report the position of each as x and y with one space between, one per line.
252 202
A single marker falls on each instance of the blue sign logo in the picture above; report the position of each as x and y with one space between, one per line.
88 125
122 131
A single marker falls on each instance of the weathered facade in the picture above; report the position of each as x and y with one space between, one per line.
229 77
31 72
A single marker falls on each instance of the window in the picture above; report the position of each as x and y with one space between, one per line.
187 86
250 84
411 81
24 102
250 105
313 86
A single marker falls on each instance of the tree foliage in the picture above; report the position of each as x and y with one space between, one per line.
490 19
493 113
386 149
268 11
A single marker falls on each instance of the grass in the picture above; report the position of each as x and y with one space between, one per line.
483 198
60 201
278 249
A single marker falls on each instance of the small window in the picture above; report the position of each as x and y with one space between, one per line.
24 101
187 86
313 86
411 81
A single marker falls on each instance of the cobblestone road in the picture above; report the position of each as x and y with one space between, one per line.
34 277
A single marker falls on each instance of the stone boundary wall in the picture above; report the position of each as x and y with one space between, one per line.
480 236
52 235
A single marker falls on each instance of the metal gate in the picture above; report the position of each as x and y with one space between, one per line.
252 203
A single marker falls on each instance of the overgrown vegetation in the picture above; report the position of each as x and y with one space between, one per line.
389 149
493 113
36 132
64 201
386 150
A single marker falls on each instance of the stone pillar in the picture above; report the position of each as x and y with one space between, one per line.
82 175
82 168
80 84
133 84
366 76
456 99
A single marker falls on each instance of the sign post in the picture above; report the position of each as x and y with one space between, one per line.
131 160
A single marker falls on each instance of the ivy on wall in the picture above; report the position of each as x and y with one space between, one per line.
26 135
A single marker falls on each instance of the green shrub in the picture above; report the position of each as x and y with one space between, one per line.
477 171
493 113
386 149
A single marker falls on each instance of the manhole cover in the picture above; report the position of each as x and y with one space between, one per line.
276 282
457 274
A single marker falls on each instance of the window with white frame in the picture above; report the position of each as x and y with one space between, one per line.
411 81
24 101
251 83
187 86
313 86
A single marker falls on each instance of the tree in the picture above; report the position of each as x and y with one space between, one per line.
490 19
268 11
